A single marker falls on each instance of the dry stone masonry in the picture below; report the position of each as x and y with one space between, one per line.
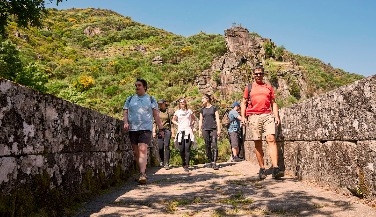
53 149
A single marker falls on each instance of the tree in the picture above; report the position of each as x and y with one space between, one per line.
25 12
10 62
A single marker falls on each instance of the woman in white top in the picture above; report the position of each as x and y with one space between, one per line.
185 119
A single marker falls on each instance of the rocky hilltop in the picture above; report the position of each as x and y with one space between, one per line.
230 73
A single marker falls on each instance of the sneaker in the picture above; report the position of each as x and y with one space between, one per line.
236 159
186 169
277 173
161 164
208 165
167 167
143 179
231 159
215 166
262 174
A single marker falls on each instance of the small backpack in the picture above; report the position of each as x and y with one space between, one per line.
226 119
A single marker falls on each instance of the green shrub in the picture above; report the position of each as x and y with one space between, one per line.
33 76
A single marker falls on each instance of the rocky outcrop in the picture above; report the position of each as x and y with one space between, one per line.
90 31
230 73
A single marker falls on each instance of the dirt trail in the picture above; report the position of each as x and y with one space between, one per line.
233 190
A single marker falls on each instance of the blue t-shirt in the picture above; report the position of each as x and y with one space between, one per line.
140 112
234 122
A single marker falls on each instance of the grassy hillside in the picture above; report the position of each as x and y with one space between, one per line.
92 57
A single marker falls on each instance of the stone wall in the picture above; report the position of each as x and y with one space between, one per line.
54 153
331 139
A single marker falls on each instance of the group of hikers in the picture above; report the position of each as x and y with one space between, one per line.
146 118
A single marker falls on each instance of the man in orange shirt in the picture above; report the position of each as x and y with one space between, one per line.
261 111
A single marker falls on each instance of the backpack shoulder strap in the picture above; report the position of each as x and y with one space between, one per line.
249 91
129 99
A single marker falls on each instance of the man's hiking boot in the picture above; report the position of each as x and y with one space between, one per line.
277 173
186 169
262 173
215 166
143 179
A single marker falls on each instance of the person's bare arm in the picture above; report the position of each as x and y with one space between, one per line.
158 121
154 130
242 109
194 119
219 126
275 112
125 120
175 120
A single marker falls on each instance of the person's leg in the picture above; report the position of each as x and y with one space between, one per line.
234 144
206 136
269 129
135 154
143 140
273 148
142 156
259 153
167 147
255 128
133 137
214 148
161 150
181 148
187 150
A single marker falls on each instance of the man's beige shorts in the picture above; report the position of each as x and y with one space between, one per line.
259 125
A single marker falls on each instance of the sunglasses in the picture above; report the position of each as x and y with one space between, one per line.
259 74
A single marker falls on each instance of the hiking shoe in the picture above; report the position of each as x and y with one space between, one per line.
236 159
262 173
143 179
161 164
186 169
277 173
215 166
208 165
167 167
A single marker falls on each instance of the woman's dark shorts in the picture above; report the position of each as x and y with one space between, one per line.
142 136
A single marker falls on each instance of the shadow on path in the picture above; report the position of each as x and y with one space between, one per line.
233 190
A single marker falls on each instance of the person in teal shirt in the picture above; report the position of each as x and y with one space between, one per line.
139 111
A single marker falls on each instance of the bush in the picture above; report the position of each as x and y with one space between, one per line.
10 63
33 76
84 82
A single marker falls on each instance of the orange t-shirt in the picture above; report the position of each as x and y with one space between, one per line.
261 98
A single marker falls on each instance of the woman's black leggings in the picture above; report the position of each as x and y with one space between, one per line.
164 147
211 148
184 147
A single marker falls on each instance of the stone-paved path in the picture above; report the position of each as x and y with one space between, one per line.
233 190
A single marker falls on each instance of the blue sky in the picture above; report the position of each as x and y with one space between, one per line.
342 33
